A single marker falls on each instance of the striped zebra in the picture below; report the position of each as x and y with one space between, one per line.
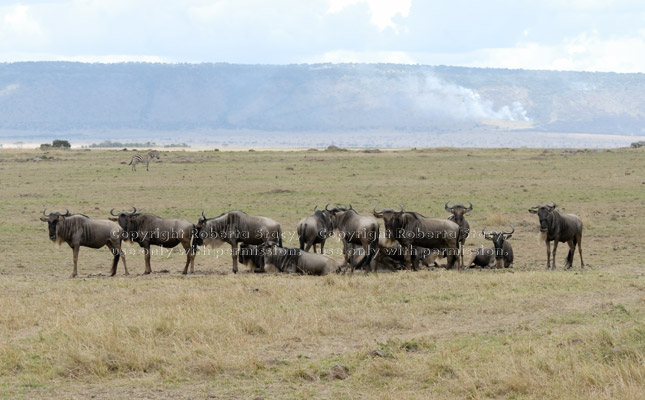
143 158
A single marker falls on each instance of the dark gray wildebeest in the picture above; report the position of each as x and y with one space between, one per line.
556 227
79 230
315 229
236 227
355 229
289 260
150 230
413 229
389 255
500 255
457 216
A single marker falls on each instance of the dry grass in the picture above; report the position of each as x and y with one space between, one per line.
526 333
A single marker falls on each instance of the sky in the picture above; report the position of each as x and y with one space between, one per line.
579 35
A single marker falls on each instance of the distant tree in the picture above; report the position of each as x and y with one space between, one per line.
61 143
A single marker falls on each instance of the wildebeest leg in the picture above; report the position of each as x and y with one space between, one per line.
75 251
146 250
548 254
555 248
322 246
407 255
147 164
234 250
582 264
125 266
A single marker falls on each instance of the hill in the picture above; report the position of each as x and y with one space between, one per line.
41 98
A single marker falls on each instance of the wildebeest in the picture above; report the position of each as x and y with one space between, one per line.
556 227
150 230
315 229
500 255
457 213
235 227
79 230
290 260
390 255
357 229
413 229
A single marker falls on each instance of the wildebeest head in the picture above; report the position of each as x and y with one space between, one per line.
498 239
125 220
544 213
325 217
392 219
52 220
336 213
458 210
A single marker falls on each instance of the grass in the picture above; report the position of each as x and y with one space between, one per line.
526 333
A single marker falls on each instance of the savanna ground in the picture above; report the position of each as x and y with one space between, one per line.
520 333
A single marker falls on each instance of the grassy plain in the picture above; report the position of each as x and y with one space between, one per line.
525 333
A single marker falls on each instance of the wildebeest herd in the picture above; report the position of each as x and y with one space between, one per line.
409 240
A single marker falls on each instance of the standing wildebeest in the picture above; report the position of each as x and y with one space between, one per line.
500 255
558 227
288 260
356 229
149 230
315 229
413 229
79 230
235 227
457 216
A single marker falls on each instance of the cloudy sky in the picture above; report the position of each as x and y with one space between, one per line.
587 35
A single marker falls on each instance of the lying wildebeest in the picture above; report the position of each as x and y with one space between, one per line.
79 230
558 227
315 229
390 255
356 229
235 227
413 229
457 216
290 260
500 255
150 230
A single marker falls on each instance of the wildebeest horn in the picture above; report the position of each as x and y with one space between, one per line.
46 215
112 213
315 207
134 210
512 230
327 209
203 215
402 210
470 207
66 213
446 206
350 206
554 205
378 213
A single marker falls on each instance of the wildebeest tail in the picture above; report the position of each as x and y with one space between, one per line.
280 237
302 236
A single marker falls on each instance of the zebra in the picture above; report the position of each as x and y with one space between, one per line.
143 158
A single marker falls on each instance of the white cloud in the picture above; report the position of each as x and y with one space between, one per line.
583 52
382 11
18 23
9 89
346 56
